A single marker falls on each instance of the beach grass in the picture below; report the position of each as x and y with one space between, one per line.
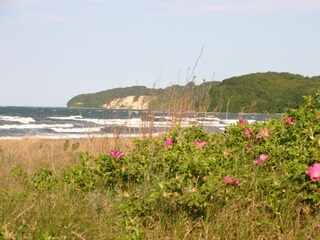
33 154
71 212
64 213
249 182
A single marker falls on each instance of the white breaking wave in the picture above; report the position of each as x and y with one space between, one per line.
76 117
36 126
76 130
24 120
235 121
229 121
137 122
81 136
132 122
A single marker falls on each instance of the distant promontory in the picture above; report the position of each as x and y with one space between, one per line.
269 92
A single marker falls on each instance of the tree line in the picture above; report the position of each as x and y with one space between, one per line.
269 92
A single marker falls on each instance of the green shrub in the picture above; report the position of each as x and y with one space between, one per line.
196 173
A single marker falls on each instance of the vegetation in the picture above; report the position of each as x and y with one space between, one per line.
190 97
163 99
269 92
254 181
97 100
262 92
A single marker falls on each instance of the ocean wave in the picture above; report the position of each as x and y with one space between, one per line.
76 117
159 121
24 120
35 126
76 130
80 136
132 122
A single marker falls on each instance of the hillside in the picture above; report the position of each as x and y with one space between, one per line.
141 97
262 92
269 92
99 99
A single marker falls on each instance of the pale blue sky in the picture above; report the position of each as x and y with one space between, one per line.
52 50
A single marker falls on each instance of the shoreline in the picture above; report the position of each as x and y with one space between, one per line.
82 137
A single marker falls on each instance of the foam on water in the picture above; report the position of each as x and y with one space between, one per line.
76 130
81 136
56 123
77 117
24 120
132 122
35 126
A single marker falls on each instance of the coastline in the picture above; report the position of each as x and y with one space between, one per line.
66 123
84 136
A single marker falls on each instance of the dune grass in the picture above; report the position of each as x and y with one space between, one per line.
76 189
73 212
54 154
63 213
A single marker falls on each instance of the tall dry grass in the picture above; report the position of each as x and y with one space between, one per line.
72 214
181 102
91 215
36 153
33 154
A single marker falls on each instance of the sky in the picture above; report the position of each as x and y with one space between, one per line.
53 50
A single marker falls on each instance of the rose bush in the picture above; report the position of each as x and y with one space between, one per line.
270 162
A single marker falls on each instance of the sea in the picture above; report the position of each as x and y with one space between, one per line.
74 123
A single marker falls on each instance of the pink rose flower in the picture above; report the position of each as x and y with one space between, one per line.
116 154
261 160
314 172
200 144
264 133
231 181
259 136
289 121
168 142
248 132
227 153
243 122
248 145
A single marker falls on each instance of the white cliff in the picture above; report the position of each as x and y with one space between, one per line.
129 103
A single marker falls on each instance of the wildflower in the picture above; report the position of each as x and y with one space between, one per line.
168 142
231 181
11 235
289 121
262 159
248 132
243 122
264 133
248 145
259 136
200 144
314 172
318 116
227 153
115 153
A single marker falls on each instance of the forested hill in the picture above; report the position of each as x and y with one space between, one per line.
269 92
99 99
156 98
